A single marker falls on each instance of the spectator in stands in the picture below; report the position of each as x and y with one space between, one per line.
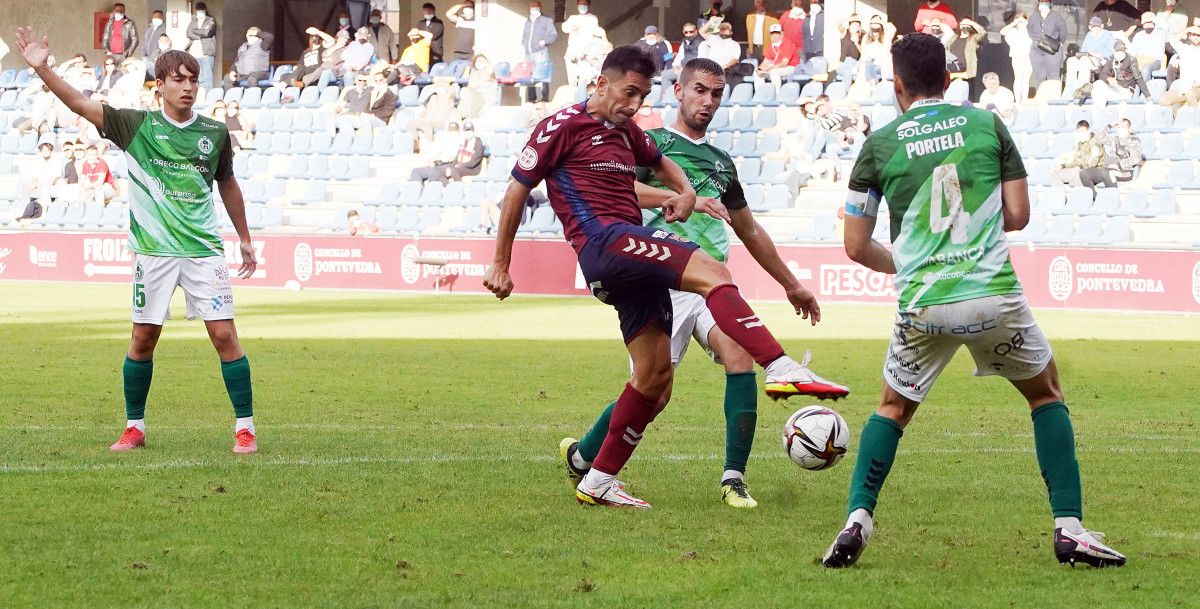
418 52
154 48
812 51
1088 154
344 25
537 35
931 11
44 172
1016 34
779 59
653 45
3 48
72 159
356 226
383 101
1118 78
466 161
852 39
109 74
965 46
758 30
120 37
353 108
1048 33
580 29
710 21
308 68
481 91
1149 46
594 59
1186 88
1172 22
876 61
360 53
1097 48
154 32
429 22
689 49
233 119
253 61
997 98
1123 157
382 38
792 21
462 15
1118 17
724 50
438 110
131 78
202 32
97 181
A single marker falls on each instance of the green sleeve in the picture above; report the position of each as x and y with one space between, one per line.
1011 165
120 125
865 190
225 160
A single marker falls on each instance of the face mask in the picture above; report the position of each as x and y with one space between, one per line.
583 9
1044 7
534 13
343 22
201 15
118 16
1119 55
1148 28
162 46
251 39
726 35
362 40
1082 136
375 20
468 13
690 35
1123 133
156 22
796 12
231 111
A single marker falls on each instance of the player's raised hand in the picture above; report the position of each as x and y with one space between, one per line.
805 304
712 207
679 207
35 49
498 281
249 262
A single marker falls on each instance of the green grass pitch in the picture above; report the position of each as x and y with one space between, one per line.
408 459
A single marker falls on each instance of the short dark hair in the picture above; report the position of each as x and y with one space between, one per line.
428 5
170 62
920 63
200 6
120 4
628 59
700 64
159 13
1084 124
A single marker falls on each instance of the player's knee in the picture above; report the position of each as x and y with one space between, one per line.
737 361
655 380
704 273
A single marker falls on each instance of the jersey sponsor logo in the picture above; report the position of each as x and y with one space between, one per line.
638 247
157 189
205 145
1060 277
1195 282
612 166
528 159
597 140
933 145
909 129
302 261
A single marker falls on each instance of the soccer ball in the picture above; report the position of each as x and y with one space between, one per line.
816 437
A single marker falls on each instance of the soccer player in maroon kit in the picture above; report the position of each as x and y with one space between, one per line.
588 154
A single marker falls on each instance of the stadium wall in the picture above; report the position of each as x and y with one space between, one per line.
1077 278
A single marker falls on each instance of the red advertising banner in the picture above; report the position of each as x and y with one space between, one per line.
1081 278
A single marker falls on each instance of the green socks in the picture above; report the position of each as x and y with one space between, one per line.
1055 443
137 387
876 452
237 383
589 446
741 418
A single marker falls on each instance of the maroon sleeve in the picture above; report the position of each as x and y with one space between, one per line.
645 152
543 152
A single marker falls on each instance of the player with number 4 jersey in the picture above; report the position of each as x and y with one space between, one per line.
953 182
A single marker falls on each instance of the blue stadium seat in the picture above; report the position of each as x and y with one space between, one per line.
430 217
328 97
1180 175
7 78
1157 87
741 119
958 91
883 115
8 100
883 93
93 215
722 140
812 89
1134 202
308 98
387 218
824 228
115 216
1162 203
1079 201
836 91
772 172
1118 230
764 96
654 96
1026 121
271 98
766 118
265 122
1167 146
255 190
769 142
1060 230
234 94
431 195
777 196
789 94
742 94
719 120
453 194
1089 231
754 197
241 166
745 145
1108 202
748 171
73 216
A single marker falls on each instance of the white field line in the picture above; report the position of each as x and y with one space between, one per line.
564 427
513 458
1184 535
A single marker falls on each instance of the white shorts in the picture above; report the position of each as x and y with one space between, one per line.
690 318
205 283
999 331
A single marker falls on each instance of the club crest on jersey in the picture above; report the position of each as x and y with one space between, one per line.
528 159
597 140
205 145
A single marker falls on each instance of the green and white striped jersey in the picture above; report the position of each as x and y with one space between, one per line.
939 168
171 171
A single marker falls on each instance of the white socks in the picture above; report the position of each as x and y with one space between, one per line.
138 423
596 479
862 517
780 366
732 473
578 461
1070 524
244 423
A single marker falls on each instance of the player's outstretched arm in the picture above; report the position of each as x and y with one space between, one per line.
235 205
650 197
680 206
861 248
497 279
1014 197
762 249
36 50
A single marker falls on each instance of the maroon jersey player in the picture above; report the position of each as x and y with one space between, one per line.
588 155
